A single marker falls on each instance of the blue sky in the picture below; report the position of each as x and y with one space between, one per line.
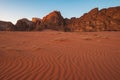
12 10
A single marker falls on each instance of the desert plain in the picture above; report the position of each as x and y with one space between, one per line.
55 55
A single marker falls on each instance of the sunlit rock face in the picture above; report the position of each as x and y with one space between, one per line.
6 26
53 21
104 19
111 18
96 20
38 24
24 25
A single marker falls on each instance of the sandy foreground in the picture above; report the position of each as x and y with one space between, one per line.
52 55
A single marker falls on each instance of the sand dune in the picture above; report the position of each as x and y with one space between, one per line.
52 55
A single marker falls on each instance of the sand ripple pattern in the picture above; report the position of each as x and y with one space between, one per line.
77 66
52 55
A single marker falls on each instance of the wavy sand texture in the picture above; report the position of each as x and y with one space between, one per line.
51 55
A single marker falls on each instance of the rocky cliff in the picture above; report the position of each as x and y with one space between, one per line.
94 20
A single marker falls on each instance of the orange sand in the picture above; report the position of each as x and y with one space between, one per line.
52 55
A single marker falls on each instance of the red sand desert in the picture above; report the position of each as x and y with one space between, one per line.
52 55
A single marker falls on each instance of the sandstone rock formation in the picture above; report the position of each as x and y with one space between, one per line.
24 25
96 20
6 26
38 24
54 21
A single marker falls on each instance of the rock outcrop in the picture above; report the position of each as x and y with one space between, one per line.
6 26
96 20
54 21
38 24
24 25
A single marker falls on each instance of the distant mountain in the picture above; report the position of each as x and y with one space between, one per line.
94 20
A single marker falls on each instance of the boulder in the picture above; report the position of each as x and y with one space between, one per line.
6 26
24 25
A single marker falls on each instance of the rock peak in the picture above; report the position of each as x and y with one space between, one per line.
53 20
94 11
55 12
